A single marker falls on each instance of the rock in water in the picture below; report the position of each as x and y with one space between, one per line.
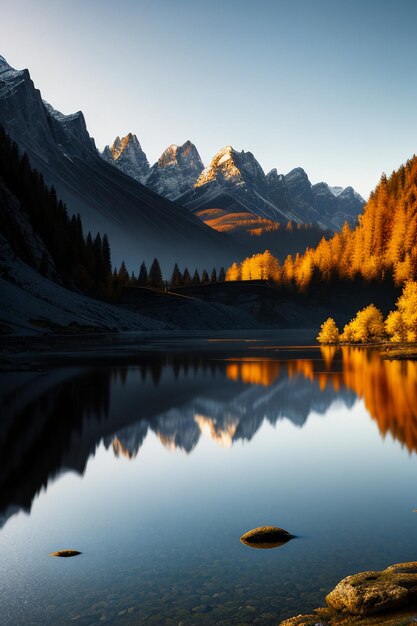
374 592
266 537
65 553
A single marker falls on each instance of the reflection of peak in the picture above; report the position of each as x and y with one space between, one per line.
177 429
129 440
221 435
240 414
55 420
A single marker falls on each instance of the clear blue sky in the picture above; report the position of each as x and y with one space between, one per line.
328 85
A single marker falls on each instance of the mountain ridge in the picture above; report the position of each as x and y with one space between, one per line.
140 223
272 196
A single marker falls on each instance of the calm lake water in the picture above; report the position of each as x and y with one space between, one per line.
154 471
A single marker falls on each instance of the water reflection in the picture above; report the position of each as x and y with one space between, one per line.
57 419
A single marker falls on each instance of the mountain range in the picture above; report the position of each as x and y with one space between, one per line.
175 210
140 223
234 192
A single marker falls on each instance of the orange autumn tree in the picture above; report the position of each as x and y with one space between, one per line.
329 332
401 324
257 267
366 326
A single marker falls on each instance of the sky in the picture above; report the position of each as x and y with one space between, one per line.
327 85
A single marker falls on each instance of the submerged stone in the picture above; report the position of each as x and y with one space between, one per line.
265 537
65 553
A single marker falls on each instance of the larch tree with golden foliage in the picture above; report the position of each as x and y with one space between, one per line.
329 332
367 326
401 324
381 247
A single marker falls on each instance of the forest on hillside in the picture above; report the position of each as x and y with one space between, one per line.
382 247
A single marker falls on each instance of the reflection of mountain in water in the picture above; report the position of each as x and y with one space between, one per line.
236 413
54 421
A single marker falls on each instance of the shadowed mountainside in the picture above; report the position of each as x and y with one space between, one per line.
140 223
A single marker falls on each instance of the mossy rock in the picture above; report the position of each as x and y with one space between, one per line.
380 598
65 553
374 592
265 537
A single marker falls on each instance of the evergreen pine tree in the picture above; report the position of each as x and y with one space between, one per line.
213 277
155 274
123 275
176 278
106 256
143 275
186 278
196 278
222 275
204 277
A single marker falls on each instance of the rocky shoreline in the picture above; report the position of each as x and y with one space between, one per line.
400 352
383 598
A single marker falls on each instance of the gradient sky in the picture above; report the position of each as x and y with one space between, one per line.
328 85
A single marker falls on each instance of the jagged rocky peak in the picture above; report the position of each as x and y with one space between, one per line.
185 157
235 167
127 155
176 170
70 132
273 176
9 74
349 192
336 191
297 174
130 141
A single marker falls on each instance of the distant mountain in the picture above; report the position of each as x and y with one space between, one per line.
140 223
234 194
236 183
176 170
126 153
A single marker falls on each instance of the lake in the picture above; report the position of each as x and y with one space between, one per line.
155 468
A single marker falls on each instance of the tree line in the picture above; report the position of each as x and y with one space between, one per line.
77 261
82 262
381 247
153 277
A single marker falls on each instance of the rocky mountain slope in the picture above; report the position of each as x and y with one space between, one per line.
140 223
236 182
127 154
234 192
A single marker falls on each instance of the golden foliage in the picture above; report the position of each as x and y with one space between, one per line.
329 332
401 325
257 267
383 244
388 388
366 326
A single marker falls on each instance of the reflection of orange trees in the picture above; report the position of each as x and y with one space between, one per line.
253 372
389 390
313 370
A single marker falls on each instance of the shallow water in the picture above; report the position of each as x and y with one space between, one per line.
155 470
